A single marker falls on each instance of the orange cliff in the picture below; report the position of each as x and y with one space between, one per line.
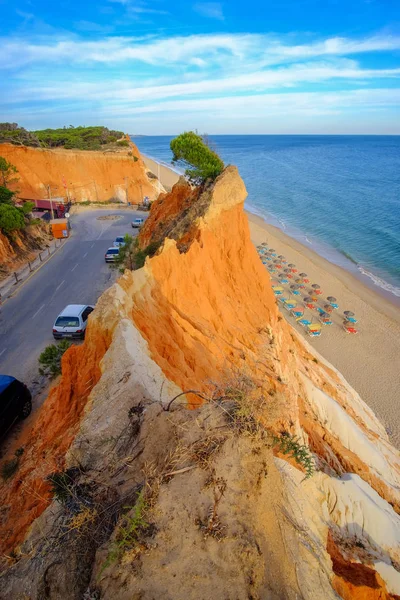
82 174
200 314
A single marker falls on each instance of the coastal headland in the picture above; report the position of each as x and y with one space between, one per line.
370 360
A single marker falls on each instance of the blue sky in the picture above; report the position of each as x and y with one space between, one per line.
281 66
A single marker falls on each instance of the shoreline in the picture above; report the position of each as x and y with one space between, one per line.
367 360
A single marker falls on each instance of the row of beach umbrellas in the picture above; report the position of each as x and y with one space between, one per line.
299 283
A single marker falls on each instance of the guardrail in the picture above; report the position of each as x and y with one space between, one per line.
8 285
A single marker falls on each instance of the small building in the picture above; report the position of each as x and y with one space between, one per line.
60 228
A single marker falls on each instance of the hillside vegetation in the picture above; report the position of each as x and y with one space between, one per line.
81 138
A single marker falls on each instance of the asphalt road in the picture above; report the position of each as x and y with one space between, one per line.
76 274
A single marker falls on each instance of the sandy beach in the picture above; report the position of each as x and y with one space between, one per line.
167 176
370 360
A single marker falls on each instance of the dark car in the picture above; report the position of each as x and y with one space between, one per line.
15 402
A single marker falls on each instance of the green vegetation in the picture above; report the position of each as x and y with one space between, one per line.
7 172
81 138
139 256
50 358
10 467
11 218
6 195
14 134
61 485
128 535
291 445
192 151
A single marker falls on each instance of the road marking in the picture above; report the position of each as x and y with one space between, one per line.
38 311
2 352
84 256
73 268
92 245
58 287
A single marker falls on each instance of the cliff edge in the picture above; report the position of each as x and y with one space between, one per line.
82 175
197 447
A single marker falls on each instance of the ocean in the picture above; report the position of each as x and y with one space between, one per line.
338 195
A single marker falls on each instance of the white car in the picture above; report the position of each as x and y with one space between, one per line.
137 223
72 321
112 254
119 242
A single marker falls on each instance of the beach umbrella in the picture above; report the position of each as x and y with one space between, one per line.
347 323
282 275
264 244
315 286
307 299
271 250
287 270
280 256
303 274
328 308
294 287
348 313
291 265
331 299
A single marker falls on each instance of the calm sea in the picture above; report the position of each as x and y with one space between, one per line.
339 195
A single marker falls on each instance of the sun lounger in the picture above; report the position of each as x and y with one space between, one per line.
326 321
278 291
350 329
297 312
303 322
289 305
314 330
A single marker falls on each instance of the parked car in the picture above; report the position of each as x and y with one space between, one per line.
111 254
137 223
72 322
15 402
119 242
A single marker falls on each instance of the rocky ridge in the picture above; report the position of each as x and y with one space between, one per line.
170 431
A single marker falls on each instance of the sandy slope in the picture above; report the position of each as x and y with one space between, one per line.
370 361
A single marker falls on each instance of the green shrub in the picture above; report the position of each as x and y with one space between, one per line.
50 358
200 161
6 195
61 485
11 218
27 207
291 445
10 467
128 535
124 143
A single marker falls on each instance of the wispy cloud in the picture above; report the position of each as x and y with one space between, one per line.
212 10
258 81
214 49
198 76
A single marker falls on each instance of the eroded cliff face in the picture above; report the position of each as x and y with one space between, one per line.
87 175
22 246
226 512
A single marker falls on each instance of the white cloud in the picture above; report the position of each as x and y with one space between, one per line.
257 49
258 81
212 10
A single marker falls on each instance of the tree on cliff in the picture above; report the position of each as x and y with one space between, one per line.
200 161
7 172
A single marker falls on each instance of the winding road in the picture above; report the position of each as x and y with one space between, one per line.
76 274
